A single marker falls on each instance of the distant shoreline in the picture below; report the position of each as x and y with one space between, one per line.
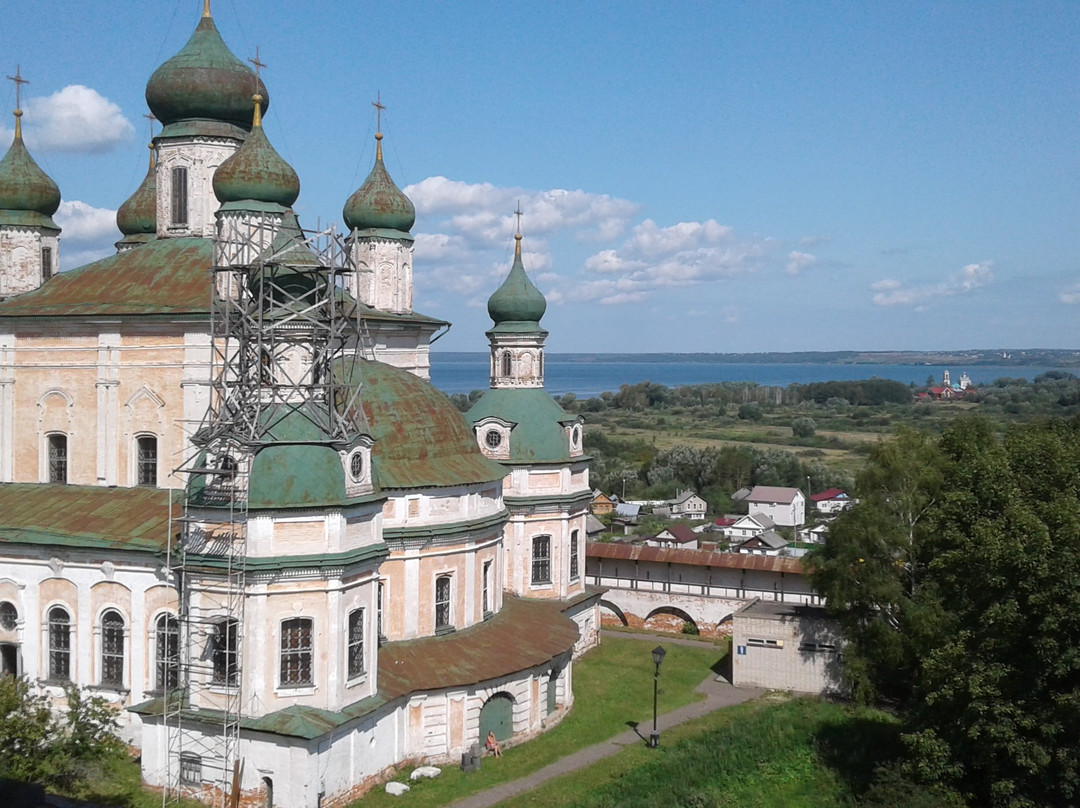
998 357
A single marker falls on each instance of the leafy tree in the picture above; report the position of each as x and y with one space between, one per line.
803 427
750 411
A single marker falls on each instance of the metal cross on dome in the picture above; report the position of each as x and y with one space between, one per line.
19 81
258 64
518 213
379 107
150 117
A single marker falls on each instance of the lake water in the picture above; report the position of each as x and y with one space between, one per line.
587 375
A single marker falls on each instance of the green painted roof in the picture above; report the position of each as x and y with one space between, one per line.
517 305
164 276
86 516
256 172
138 215
539 435
420 437
24 187
204 82
379 205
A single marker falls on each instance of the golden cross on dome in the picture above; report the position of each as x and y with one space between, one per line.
150 117
19 81
378 104
258 65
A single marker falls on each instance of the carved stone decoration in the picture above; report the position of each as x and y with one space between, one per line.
108 569
57 566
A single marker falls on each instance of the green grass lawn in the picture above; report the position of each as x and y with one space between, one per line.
612 686
802 753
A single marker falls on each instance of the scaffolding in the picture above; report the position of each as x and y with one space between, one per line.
286 343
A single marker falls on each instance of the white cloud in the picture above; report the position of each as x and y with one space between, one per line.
74 119
88 233
891 292
1070 295
798 261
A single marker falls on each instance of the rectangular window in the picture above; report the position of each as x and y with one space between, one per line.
147 460
224 653
296 652
817 648
442 602
58 459
760 643
356 642
167 652
190 769
46 263
179 196
573 555
59 644
112 648
541 560
379 610
485 597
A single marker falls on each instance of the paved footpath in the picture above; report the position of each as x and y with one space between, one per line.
718 694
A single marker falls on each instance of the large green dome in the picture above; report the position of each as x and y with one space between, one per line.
138 215
204 82
24 187
256 172
517 300
379 204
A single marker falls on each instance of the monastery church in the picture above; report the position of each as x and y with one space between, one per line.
231 502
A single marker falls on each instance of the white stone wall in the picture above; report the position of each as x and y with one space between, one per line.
383 278
20 258
201 156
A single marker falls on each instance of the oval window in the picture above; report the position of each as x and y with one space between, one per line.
356 466
493 439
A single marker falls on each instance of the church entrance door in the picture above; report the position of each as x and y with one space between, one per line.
497 715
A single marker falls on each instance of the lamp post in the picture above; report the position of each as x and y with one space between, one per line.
657 657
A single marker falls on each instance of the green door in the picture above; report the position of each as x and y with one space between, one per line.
497 715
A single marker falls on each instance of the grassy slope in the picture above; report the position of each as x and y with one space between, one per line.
804 753
612 685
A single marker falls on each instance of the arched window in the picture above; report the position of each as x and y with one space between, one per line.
356 642
442 602
506 361
9 616
296 652
485 592
179 196
167 652
58 458
541 560
59 644
146 460
112 648
224 652
573 555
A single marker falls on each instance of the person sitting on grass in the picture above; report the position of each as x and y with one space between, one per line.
492 744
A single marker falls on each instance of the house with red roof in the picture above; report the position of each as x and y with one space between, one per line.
832 500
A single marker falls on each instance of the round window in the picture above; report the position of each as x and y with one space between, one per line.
9 616
356 466
493 438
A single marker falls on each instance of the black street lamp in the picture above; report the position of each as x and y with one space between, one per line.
658 654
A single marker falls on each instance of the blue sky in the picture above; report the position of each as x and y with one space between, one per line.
694 176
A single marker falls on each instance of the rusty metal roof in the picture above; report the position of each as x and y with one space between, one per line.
163 276
86 516
525 633
696 558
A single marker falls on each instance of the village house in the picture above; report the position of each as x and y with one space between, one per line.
675 536
831 501
769 543
601 504
785 506
748 526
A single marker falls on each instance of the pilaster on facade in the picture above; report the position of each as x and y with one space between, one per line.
108 408
7 408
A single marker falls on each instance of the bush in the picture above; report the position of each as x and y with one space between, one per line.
803 427
690 628
751 411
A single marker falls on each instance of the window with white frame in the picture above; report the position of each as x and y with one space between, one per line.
574 564
442 602
9 616
112 648
167 652
541 560
224 652
146 450
57 449
59 644
380 595
296 652
485 591
356 642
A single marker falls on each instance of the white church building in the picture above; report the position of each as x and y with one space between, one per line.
231 502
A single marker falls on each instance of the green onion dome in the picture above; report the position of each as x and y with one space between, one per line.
378 204
204 82
517 300
256 172
138 215
24 187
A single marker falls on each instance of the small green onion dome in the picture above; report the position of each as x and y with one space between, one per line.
24 187
138 215
378 204
517 300
204 81
256 172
